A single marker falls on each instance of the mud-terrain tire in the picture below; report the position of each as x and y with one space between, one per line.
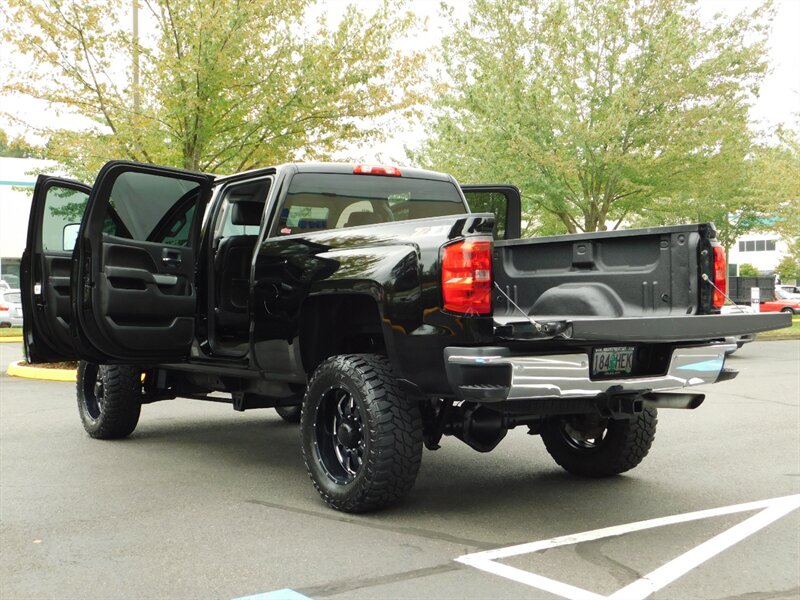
361 436
604 448
109 399
290 414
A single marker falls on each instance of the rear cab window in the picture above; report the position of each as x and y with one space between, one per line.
323 201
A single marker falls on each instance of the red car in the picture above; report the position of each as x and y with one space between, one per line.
784 302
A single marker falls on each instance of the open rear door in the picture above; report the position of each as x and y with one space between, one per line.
502 200
56 212
133 283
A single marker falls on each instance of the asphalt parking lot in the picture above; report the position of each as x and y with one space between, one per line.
203 502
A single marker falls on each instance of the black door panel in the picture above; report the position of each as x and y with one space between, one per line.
134 285
56 292
142 297
58 204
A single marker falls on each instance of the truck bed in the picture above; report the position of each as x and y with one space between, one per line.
642 285
632 273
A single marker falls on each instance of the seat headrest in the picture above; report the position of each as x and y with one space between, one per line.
247 213
363 218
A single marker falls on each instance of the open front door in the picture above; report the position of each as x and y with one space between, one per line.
502 200
133 287
56 212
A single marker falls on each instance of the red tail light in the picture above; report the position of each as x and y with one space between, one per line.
720 281
467 277
377 170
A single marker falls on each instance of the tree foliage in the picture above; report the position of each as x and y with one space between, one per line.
789 268
747 270
17 147
597 108
224 86
761 193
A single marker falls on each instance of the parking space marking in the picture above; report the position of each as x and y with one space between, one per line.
770 511
284 594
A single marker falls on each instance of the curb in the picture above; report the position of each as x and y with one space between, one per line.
17 370
9 339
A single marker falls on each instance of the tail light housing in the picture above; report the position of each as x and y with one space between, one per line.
720 279
467 277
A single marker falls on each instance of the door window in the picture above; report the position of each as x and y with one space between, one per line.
152 208
63 211
241 209
504 201
490 202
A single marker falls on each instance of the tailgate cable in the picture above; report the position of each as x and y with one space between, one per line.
707 279
536 325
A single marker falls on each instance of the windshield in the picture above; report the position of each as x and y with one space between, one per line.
785 295
319 201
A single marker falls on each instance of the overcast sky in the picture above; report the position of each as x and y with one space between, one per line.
778 103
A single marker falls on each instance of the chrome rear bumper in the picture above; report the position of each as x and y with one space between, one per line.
516 377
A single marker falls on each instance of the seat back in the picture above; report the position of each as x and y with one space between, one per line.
232 262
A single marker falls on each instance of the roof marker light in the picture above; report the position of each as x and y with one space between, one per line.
377 170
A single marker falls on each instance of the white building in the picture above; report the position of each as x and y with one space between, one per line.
17 179
762 250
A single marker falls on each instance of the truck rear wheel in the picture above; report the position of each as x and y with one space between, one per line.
109 399
597 447
362 438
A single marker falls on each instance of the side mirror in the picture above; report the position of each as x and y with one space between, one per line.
70 236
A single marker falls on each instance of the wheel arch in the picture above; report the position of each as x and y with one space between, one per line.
336 323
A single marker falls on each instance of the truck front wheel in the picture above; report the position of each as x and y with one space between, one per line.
362 438
596 447
109 399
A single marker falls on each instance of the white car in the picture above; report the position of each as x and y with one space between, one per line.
739 340
10 308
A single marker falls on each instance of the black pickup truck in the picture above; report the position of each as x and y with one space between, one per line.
382 308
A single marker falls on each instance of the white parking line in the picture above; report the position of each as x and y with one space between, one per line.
771 510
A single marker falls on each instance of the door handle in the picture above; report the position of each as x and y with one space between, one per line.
171 258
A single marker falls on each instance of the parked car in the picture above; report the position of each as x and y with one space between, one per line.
784 302
10 308
792 289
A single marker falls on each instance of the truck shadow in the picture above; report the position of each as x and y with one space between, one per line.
519 479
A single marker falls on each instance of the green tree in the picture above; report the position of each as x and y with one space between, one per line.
788 268
761 193
596 108
17 147
747 270
223 86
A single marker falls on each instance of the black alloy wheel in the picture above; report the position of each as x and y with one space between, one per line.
361 435
339 435
594 446
109 399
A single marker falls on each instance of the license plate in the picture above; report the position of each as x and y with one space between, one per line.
614 360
